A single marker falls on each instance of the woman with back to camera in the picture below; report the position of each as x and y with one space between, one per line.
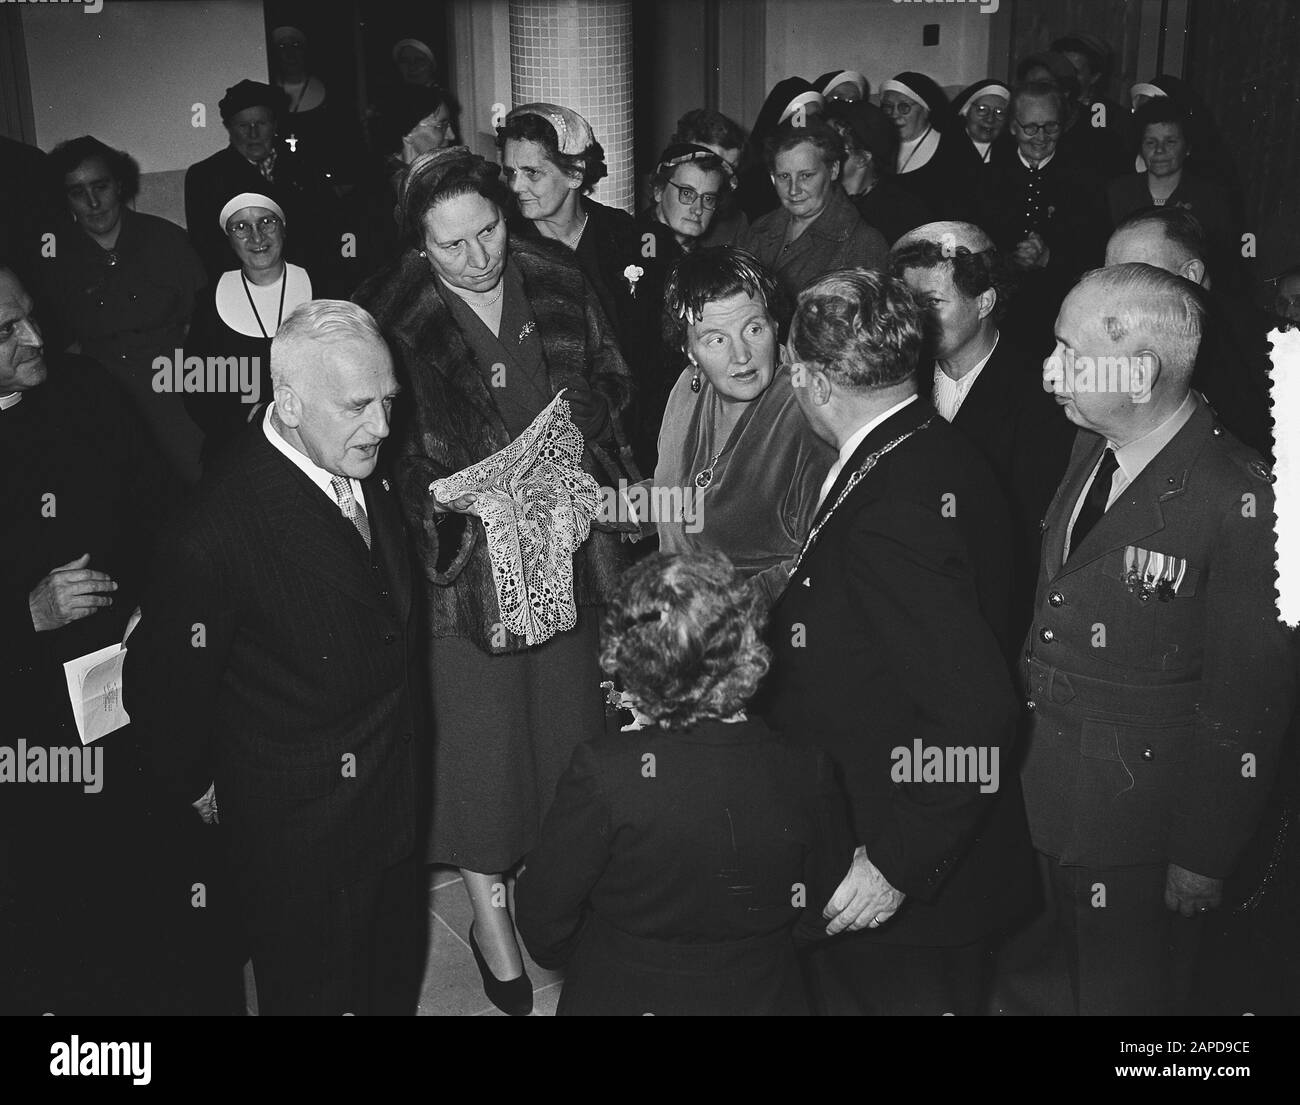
485 330
680 892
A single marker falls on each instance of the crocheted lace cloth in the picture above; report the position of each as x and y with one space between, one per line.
536 504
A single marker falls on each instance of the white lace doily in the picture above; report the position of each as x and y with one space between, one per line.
536 504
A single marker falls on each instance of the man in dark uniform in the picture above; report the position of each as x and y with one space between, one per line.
1157 677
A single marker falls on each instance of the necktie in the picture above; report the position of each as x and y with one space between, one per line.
1094 504
351 508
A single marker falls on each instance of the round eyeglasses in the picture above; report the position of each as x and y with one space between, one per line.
267 224
897 107
1031 129
984 111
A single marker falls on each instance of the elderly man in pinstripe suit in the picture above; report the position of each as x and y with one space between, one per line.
274 662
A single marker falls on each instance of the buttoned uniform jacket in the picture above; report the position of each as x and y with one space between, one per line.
1154 724
884 636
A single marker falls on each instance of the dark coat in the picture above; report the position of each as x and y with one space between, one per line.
452 422
676 891
1135 748
302 702
1023 434
882 638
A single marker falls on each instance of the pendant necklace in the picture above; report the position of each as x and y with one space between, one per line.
704 476
284 283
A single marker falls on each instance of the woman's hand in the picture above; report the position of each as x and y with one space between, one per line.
466 504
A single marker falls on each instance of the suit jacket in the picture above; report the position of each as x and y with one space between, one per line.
677 892
310 211
1022 433
274 657
883 639
1143 709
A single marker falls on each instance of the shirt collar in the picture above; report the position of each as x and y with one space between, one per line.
850 447
319 476
1136 455
10 400
1030 166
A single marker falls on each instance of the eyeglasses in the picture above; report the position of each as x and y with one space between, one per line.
898 107
985 110
687 196
291 44
1031 129
267 224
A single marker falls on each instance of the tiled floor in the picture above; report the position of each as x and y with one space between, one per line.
452 986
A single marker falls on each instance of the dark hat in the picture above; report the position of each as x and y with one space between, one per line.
919 86
682 153
1063 72
1091 47
248 94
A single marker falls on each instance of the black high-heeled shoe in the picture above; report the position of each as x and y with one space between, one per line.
514 997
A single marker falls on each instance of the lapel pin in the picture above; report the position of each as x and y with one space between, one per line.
807 581
384 484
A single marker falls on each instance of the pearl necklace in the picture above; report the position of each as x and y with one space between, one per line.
573 238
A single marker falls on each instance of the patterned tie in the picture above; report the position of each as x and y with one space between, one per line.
1094 505
351 508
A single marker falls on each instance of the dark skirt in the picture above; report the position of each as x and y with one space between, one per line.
505 728
615 974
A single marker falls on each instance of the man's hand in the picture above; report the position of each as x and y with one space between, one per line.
1032 253
206 807
1189 893
863 900
70 592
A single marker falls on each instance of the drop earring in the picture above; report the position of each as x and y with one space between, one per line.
695 383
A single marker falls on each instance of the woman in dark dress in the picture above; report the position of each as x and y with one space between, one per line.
681 860
122 286
486 329
242 314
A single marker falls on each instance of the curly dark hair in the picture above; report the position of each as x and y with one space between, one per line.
443 175
825 138
1163 110
864 329
683 635
590 164
704 275
973 272
69 156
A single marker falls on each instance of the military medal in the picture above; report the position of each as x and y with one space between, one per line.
1149 573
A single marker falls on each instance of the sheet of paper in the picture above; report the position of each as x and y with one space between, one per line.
95 688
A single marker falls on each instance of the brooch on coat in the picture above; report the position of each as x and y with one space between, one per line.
529 327
632 274
385 485
1149 573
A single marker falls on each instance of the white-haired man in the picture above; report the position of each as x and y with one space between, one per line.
273 661
1157 678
